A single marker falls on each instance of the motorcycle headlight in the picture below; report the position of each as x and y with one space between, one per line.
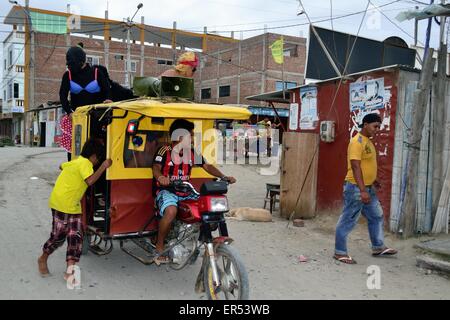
219 204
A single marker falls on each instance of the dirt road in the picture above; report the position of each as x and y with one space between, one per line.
270 250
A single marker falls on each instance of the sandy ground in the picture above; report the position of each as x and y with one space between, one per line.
270 250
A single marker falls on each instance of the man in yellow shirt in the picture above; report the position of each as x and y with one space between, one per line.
65 203
360 194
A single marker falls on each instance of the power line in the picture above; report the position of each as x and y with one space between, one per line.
217 58
396 25
226 61
317 21
325 19
331 108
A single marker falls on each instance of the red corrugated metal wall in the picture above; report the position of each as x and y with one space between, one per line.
333 156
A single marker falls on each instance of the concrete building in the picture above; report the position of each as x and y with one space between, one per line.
12 85
230 69
246 68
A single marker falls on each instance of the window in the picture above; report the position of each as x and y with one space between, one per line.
10 57
16 90
133 65
287 85
4 95
20 69
224 91
290 51
140 149
166 62
4 64
93 60
19 103
206 93
10 91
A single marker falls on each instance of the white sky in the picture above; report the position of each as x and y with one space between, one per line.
237 15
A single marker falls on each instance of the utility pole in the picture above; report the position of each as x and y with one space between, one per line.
439 116
129 25
239 69
128 64
263 76
421 100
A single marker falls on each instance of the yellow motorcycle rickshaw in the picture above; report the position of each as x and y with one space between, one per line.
121 205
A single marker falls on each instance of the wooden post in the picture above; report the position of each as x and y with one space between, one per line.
439 120
421 99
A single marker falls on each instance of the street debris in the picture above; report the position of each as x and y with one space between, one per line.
299 223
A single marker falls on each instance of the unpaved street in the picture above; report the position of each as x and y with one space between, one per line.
270 250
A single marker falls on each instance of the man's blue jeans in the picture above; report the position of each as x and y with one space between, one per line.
353 207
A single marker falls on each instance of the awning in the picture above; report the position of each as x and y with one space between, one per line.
276 96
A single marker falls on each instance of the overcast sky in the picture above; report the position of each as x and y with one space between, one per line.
238 15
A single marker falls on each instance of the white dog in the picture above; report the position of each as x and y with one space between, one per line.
250 214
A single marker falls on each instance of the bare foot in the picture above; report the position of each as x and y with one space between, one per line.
43 268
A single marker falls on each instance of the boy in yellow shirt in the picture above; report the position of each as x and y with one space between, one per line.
65 203
360 194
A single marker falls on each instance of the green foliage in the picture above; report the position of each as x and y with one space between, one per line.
6 141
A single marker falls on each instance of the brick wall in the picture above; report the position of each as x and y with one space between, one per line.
50 51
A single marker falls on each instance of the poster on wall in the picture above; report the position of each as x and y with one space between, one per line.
293 117
309 119
367 95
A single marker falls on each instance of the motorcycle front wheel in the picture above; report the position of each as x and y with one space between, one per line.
232 274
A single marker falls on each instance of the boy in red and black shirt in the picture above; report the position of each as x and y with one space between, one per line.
172 164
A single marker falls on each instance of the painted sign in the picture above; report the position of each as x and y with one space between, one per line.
293 117
367 94
17 109
309 119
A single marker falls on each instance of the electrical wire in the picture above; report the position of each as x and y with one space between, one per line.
395 24
325 19
227 61
332 108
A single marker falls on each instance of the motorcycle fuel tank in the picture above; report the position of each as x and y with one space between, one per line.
189 212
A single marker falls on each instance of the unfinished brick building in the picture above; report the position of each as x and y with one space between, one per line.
230 69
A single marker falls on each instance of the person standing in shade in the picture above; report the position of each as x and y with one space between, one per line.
360 193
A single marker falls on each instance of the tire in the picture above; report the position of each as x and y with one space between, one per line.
240 278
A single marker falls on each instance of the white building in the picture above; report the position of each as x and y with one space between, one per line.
12 84
421 53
